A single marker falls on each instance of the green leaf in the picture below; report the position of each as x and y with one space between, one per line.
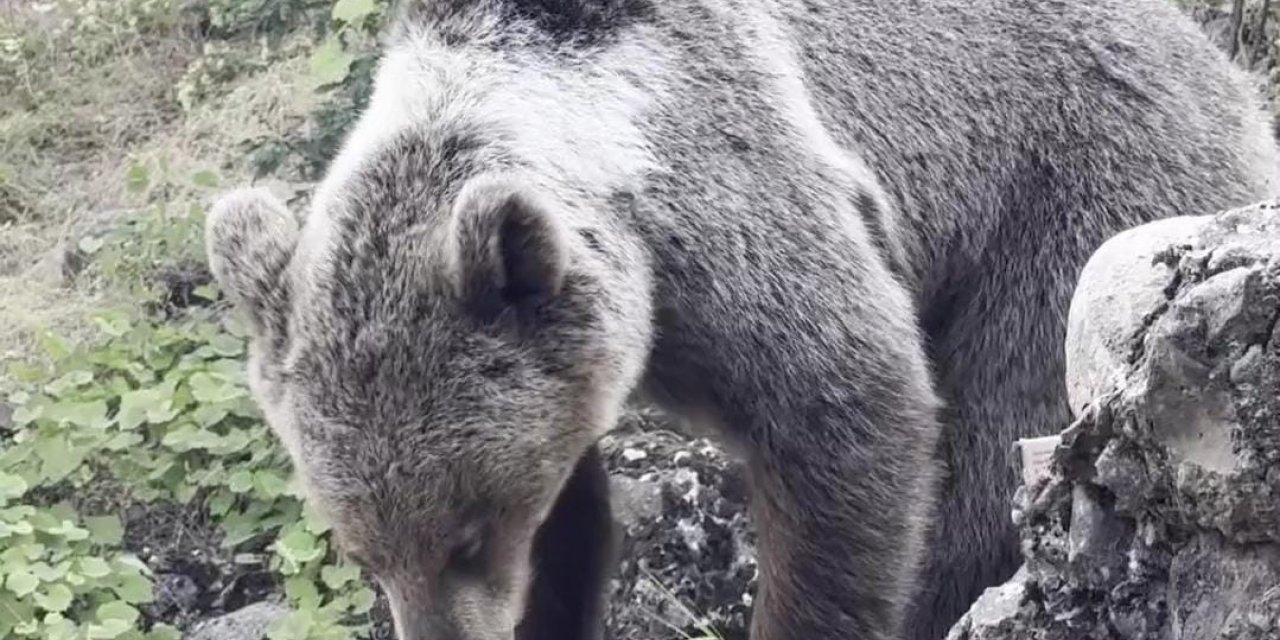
69 382
269 485
352 11
329 63
298 547
313 520
330 629
362 601
220 503
234 442
207 179
335 576
117 610
54 345
46 573
237 528
130 564
27 627
122 441
12 613
58 457
112 323
109 630
301 590
58 627
106 530
84 414
25 373
29 551
134 588
227 346
295 626
184 493
22 416
187 437
208 389
11 486
94 568
153 405
136 180
240 481
68 530
57 599
21 582
164 632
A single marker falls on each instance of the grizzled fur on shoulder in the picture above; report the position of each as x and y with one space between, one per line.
840 233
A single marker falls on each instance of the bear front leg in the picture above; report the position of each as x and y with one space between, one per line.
820 384
572 556
840 537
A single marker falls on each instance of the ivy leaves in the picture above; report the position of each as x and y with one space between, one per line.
160 407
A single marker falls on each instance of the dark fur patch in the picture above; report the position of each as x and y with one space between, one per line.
573 553
563 22
582 21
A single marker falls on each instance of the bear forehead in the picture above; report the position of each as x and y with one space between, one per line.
378 369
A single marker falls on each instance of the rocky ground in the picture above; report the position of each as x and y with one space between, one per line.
687 565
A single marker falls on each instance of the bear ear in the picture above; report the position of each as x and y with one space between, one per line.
249 240
509 249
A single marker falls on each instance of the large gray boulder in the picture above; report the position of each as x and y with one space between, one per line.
1160 517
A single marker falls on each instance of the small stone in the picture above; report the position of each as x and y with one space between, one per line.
247 623
175 591
998 604
1097 538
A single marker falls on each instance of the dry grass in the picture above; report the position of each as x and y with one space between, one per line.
73 124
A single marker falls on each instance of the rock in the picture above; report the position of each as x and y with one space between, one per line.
1119 288
1160 519
174 595
687 561
247 623
995 612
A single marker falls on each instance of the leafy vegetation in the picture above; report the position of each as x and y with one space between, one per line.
157 407
152 408
341 69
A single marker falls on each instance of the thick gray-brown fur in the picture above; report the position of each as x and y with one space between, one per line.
841 233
